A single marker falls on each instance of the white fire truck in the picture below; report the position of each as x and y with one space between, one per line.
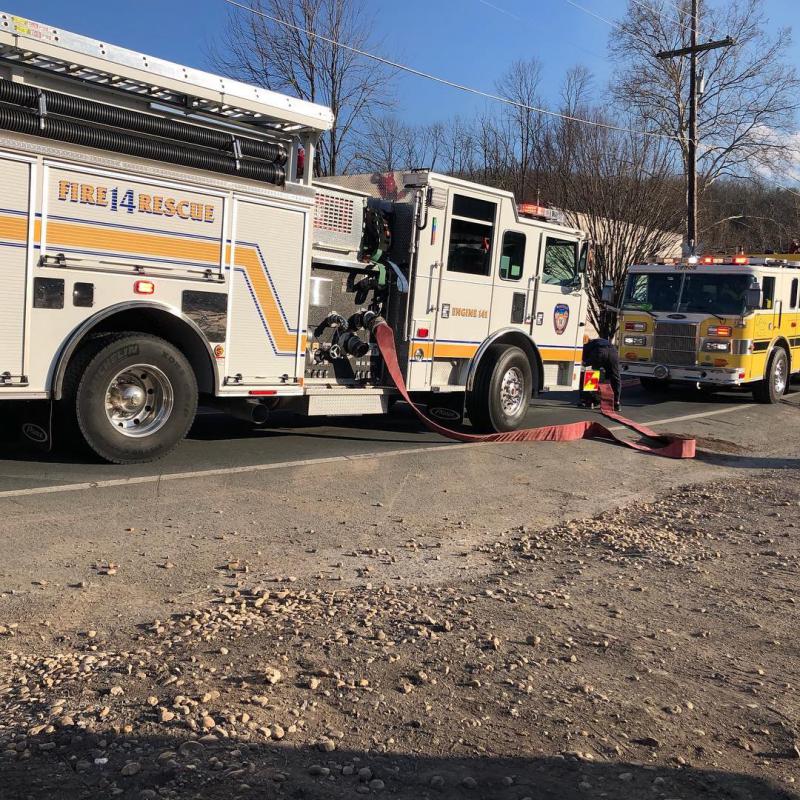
160 246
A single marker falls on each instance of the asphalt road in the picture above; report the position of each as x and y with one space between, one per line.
219 443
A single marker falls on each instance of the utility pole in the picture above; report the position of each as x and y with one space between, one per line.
691 182
691 178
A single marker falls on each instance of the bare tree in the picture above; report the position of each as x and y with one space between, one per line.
459 149
435 134
259 50
620 188
752 216
390 144
748 107
524 128
383 145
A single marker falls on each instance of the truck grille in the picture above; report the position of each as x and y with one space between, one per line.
675 343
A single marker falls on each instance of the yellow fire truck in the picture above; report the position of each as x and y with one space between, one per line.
715 321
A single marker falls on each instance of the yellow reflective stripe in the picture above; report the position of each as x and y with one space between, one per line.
14 229
167 246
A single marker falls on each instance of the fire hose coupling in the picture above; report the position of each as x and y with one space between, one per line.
352 345
372 320
333 320
361 319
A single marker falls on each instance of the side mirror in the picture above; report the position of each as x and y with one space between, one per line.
752 298
608 293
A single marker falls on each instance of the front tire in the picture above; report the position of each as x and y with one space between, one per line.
502 390
776 378
133 395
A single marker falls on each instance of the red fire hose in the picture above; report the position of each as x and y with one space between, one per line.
672 446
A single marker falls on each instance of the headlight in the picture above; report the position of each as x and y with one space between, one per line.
634 341
716 347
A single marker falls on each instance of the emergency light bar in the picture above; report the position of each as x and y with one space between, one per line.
737 260
725 260
540 212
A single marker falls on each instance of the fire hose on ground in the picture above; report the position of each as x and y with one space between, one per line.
669 445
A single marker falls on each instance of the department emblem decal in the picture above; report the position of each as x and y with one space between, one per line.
561 318
447 414
36 433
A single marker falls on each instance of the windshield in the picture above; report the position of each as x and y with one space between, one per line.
715 294
653 292
689 293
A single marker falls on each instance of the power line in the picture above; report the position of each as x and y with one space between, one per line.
594 14
614 24
677 7
527 23
501 10
445 82
662 14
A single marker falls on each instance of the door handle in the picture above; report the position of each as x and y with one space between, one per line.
431 308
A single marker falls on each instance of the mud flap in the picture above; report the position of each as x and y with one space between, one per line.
35 424
447 406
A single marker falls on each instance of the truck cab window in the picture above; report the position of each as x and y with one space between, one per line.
793 298
560 262
653 291
768 292
471 236
512 259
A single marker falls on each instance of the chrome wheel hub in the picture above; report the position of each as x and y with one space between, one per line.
779 381
139 400
512 391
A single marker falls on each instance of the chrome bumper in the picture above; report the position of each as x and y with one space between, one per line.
697 374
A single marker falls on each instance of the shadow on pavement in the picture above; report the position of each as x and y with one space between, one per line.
80 764
217 426
746 461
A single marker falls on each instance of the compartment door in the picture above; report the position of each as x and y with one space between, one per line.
265 345
16 181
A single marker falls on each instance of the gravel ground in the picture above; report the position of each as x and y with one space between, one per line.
648 652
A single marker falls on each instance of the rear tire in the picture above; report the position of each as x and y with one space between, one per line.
776 378
501 391
133 395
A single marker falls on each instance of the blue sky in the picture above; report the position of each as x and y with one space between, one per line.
471 41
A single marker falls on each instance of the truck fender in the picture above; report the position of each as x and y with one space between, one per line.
170 313
780 341
513 337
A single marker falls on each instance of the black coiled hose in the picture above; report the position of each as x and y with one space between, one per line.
65 131
116 117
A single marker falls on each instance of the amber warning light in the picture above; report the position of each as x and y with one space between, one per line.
725 260
720 330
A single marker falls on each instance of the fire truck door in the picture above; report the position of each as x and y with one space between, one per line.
557 319
15 251
465 288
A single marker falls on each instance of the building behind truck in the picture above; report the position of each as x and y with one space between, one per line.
160 246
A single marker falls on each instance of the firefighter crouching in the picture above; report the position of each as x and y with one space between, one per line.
601 354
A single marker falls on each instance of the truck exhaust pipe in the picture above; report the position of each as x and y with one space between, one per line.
246 410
